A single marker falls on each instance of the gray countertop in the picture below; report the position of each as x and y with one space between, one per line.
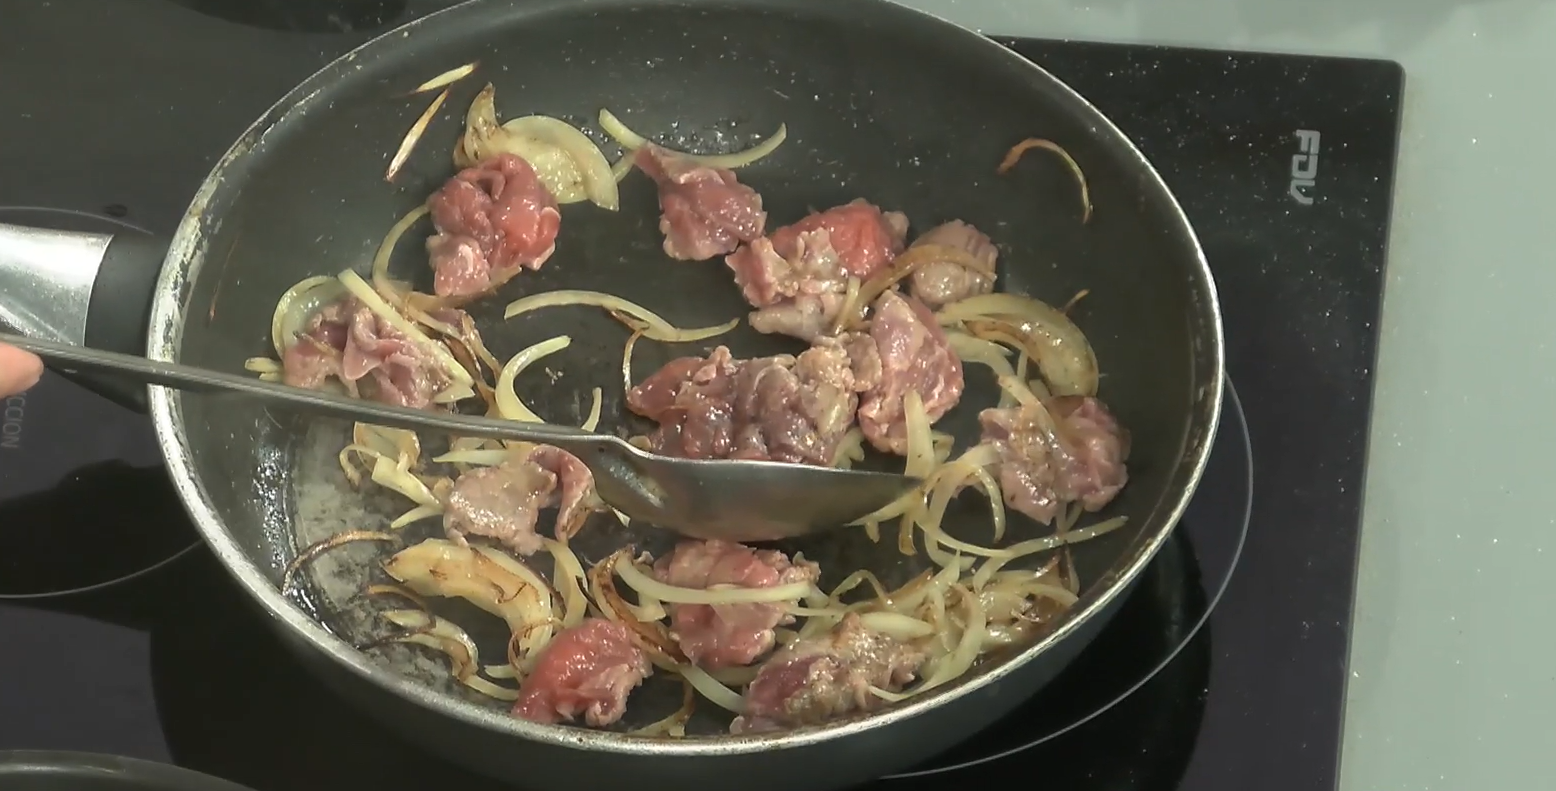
1453 658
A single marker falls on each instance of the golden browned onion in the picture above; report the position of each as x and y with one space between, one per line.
1014 155
309 553
486 578
441 635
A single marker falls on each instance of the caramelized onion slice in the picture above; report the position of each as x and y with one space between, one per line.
443 636
313 551
1014 155
482 576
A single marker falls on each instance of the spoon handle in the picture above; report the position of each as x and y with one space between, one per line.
192 379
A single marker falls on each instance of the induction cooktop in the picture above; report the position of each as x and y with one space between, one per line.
1225 670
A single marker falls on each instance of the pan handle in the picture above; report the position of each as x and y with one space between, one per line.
85 289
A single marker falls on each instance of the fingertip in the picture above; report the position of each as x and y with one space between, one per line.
19 370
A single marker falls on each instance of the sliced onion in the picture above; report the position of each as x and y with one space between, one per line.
416 514
718 694
262 365
408 143
482 576
443 636
970 349
365 293
626 363
508 404
1045 334
652 326
396 475
896 625
566 573
969 646
580 170
447 78
850 450
632 141
386 287
593 421
567 162
313 551
398 443
673 725
483 457
1036 545
648 586
298 306
905 264
1014 155
650 635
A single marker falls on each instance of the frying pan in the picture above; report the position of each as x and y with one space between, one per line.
42 770
881 102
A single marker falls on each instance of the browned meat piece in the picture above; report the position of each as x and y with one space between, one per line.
503 502
828 676
349 342
1072 451
797 278
728 635
776 408
943 282
492 220
905 350
588 669
706 212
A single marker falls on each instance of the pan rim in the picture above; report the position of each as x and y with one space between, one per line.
189 253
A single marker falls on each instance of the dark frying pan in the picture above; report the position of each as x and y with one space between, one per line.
881 102
40 770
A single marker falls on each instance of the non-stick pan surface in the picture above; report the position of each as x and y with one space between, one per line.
881 103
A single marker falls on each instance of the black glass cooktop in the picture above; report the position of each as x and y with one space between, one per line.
1224 672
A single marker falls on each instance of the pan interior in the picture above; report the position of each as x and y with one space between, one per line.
893 112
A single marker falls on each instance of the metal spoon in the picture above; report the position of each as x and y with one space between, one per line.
732 500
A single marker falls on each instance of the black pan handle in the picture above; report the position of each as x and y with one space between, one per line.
85 289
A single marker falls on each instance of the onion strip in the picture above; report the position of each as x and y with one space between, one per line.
408 144
632 141
380 274
1014 155
652 325
441 635
313 551
648 586
508 404
566 573
447 78
717 693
